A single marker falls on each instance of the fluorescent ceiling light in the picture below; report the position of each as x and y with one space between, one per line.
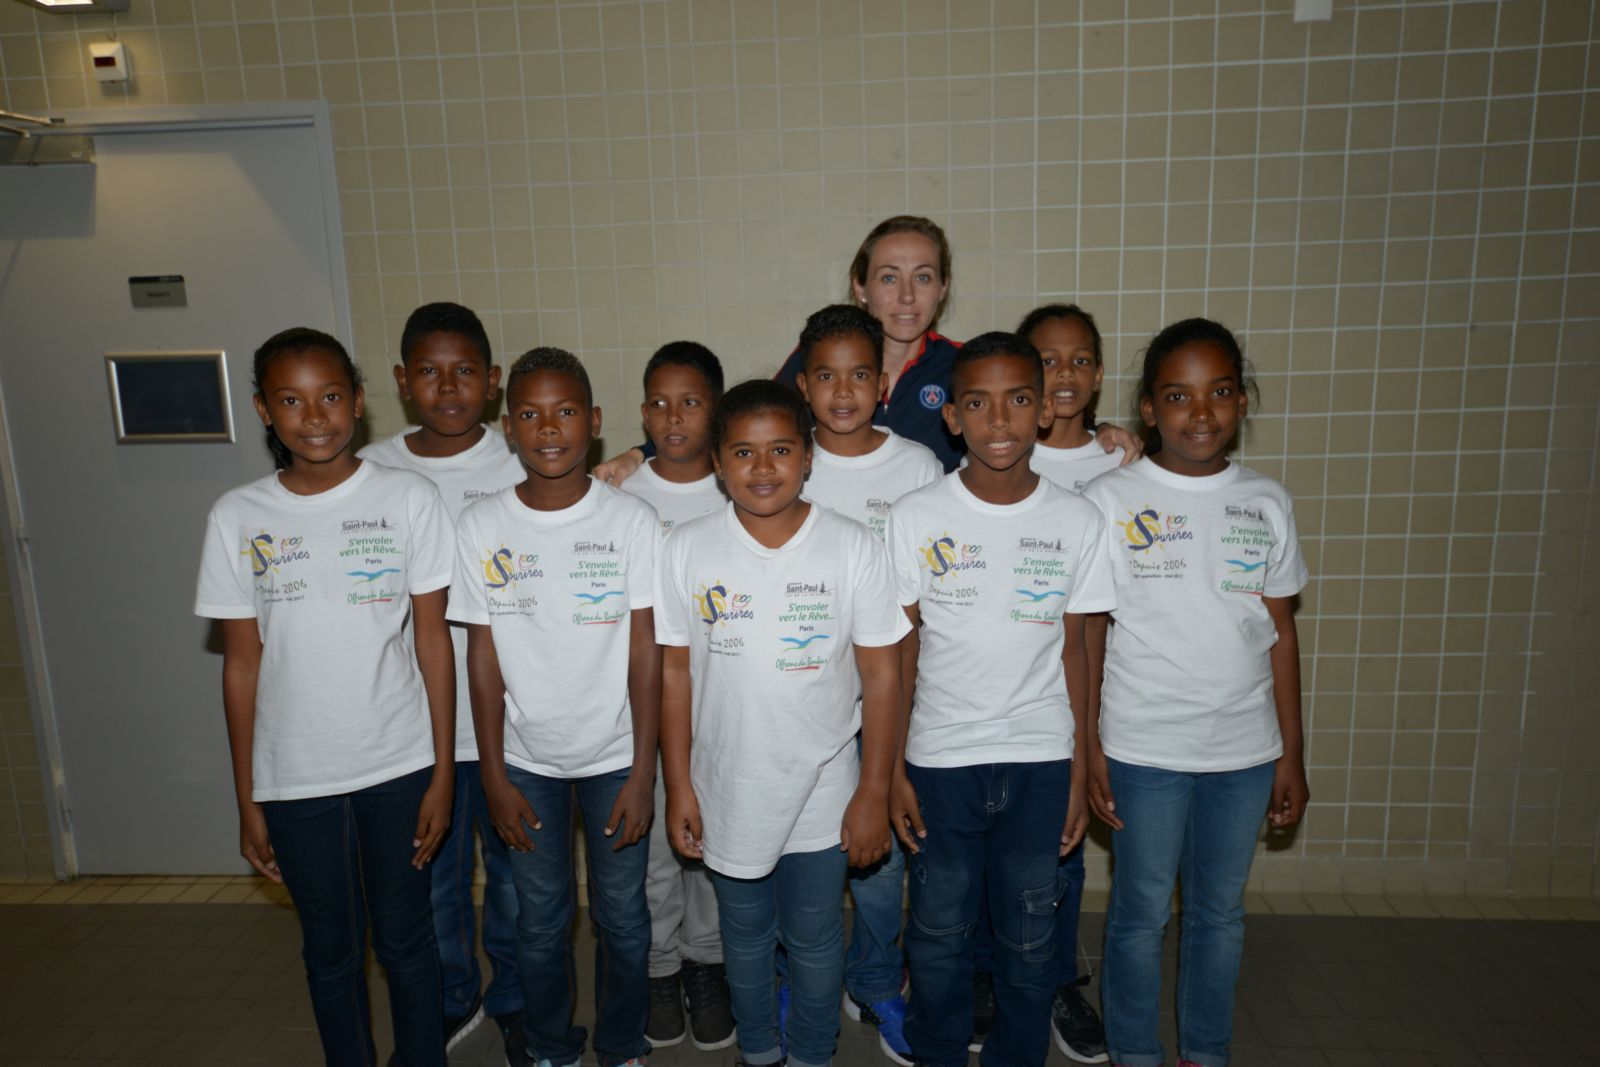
78 7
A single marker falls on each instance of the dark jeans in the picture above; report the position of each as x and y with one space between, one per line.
994 830
546 901
455 918
1072 879
347 859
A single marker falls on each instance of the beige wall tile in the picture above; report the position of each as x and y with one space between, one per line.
1397 207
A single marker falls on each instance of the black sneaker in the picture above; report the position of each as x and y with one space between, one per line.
516 1043
456 1029
666 1026
1076 1025
705 987
982 1009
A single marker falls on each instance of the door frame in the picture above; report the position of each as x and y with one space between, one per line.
35 658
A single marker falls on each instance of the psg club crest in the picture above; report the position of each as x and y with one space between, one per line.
932 397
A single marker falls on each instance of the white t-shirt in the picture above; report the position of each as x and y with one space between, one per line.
770 633
481 471
1073 468
674 502
1188 682
863 487
991 583
329 579
557 589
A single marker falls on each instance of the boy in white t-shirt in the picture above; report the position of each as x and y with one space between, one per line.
447 374
777 615
859 470
557 572
682 383
997 567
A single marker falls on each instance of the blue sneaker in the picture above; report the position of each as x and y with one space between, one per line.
889 1016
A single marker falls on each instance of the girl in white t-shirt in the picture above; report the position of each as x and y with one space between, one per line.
341 721
776 615
1068 341
1199 730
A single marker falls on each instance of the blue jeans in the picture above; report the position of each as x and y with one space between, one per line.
1201 828
873 967
1072 878
801 901
546 902
993 829
455 919
347 859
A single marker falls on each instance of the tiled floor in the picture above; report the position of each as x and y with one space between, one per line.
220 982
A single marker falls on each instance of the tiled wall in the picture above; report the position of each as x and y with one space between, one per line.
1398 209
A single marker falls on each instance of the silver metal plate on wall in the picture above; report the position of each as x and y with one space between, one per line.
158 291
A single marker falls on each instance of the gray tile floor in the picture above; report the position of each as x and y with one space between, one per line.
193 984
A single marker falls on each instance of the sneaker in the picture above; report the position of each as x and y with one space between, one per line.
516 1043
982 1009
705 987
457 1029
666 1026
889 1016
1076 1025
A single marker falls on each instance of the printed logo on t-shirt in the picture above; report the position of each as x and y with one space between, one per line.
506 574
1147 529
1040 544
932 397
1245 546
808 618
718 606
369 556
945 555
599 609
269 554
469 495
1040 575
599 567
877 516
948 560
599 572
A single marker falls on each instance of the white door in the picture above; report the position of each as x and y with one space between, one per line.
245 209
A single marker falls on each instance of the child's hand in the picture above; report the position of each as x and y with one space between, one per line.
433 820
631 813
1101 801
1112 438
864 834
508 811
1290 793
255 845
1077 823
619 468
905 814
683 823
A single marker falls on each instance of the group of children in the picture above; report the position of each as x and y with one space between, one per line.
791 654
